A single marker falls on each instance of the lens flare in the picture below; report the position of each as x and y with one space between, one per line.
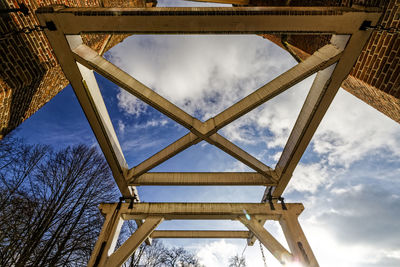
247 215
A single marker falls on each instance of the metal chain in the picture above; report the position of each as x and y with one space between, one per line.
262 253
244 250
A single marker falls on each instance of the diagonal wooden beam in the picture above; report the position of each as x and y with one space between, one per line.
88 94
302 125
321 94
91 59
96 112
238 153
207 130
276 249
320 60
88 57
134 241
163 155
199 234
203 178
191 139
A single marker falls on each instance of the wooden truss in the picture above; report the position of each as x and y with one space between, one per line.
155 213
332 63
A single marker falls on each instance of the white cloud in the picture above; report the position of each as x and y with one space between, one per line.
347 190
130 104
332 252
216 254
202 75
121 127
150 123
277 156
351 129
138 144
353 224
308 178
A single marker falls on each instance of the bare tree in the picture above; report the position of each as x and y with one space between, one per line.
49 203
156 254
237 261
49 214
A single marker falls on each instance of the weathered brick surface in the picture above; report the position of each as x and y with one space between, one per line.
378 65
375 77
385 103
29 72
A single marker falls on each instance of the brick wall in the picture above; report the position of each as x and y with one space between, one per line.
375 78
29 73
378 65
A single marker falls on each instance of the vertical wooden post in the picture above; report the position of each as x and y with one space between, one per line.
296 240
108 237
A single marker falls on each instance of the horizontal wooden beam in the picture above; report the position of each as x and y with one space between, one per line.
206 20
203 178
199 234
195 211
231 2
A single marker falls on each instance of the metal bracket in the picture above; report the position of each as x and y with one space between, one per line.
282 203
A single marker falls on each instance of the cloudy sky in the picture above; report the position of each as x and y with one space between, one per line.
348 179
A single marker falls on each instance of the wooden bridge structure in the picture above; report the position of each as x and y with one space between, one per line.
332 64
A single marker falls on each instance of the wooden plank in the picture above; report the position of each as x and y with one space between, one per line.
199 234
232 2
212 20
203 178
194 211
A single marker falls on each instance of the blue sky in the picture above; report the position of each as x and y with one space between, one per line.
348 179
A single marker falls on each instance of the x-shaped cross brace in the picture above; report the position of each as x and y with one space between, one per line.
207 130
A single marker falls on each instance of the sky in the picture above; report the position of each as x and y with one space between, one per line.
348 178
